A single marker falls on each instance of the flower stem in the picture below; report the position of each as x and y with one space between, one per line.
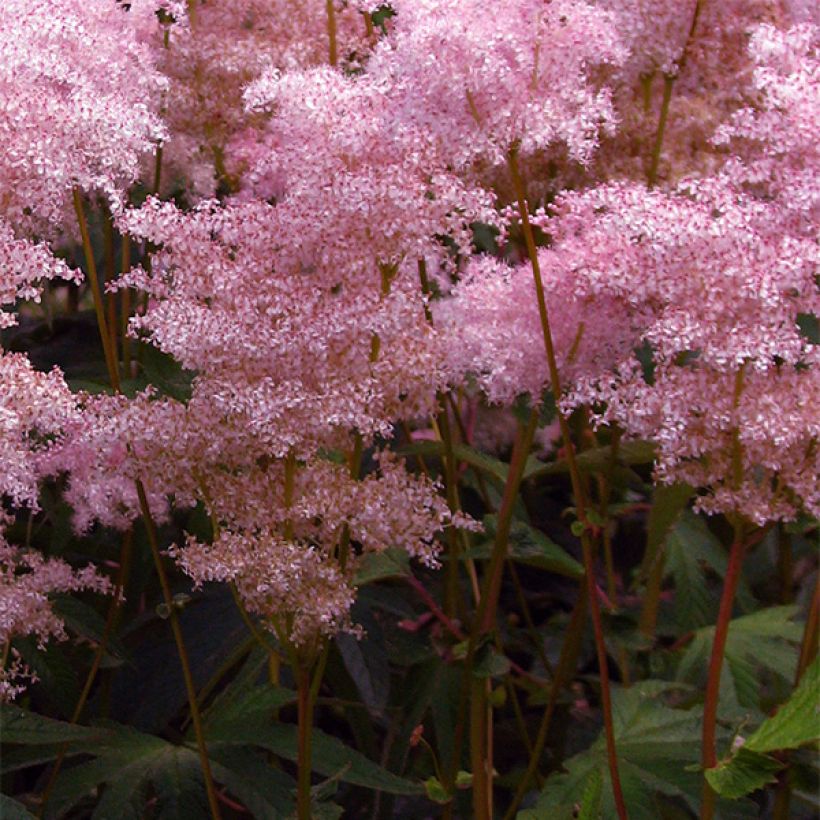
668 85
196 718
567 663
108 629
113 375
577 484
99 306
332 48
304 766
710 704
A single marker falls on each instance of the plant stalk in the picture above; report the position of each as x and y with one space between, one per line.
577 484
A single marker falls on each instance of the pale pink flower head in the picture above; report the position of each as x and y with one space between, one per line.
78 105
719 286
492 330
774 142
34 408
478 78
27 579
211 58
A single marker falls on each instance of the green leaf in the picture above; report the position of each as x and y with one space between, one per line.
264 791
20 726
744 773
256 704
591 800
529 546
796 721
164 372
690 550
668 503
597 459
763 640
747 768
436 791
655 745
489 663
377 566
367 664
329 754
86 622
12 810
481 461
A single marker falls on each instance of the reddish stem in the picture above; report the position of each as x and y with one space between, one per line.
710 705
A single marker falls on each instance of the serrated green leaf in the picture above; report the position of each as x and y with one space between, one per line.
257 704
668 503
796 722
690 550
746 772
264 791
655 745
86 622
763 640
377 566
329 754
529 546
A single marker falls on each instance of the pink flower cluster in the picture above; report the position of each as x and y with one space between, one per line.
318 277
26 581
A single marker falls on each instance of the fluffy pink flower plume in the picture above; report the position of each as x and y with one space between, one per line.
711 67
210 58
34 406
720 286
235 300
477 78
78 105
492 330
352 180
777 137
23 266
279 549
27 579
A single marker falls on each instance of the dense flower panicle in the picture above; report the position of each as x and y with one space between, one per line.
711 269
234 303
211 58
477 80
296 579
78 103
276 579
492 329
34 407
774 143
352 179
26 581
720 284
23 266
711 72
